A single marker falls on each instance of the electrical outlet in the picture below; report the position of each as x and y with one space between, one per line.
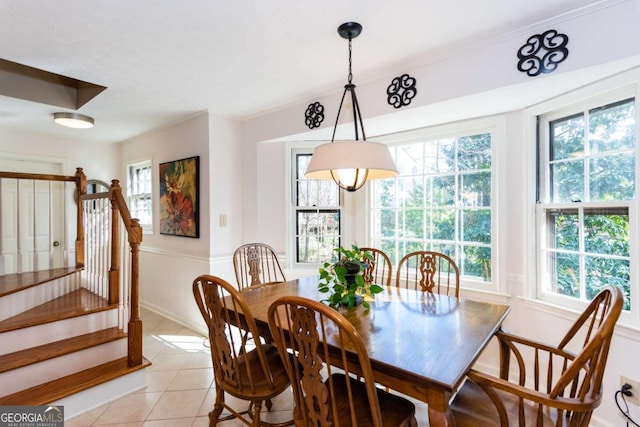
635 390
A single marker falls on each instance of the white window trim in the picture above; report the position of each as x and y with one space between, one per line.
496 126
146 228
621 86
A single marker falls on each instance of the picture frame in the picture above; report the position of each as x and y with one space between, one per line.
179 197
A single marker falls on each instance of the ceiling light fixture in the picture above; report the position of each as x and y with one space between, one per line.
351 163
73 120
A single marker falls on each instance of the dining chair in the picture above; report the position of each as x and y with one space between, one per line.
379 271
307 334
256 264
252 373
428 271
552 385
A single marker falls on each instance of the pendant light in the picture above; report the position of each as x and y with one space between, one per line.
351 163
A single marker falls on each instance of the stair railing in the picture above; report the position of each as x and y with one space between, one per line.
102 214
109 269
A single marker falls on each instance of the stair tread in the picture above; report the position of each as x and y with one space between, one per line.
51 350
10 283
76 303
74 383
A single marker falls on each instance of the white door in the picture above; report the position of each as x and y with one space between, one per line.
31 218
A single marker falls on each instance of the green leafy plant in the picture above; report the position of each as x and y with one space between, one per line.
343 280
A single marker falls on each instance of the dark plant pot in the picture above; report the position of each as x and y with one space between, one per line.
352 272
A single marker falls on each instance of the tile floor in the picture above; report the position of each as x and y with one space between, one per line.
180 391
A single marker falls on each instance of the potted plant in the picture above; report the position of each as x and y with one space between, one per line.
343 279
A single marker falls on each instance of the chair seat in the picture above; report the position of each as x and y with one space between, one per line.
261 388
472 407
396 411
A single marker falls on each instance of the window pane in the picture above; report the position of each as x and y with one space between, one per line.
612 177
567 137
318 233
476 262
412 223
410 192
474 152
612 127
567 274
607 271
383 223
383 193
606 233
317 193
410 159
440 156
443 191
568 181
476 189
443 224
564 230
476 225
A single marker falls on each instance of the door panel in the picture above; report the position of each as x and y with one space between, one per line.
32 219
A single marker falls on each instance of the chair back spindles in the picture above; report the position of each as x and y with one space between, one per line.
430 272
312 338
380 270
563 385
256 264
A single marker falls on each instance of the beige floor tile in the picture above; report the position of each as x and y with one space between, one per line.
87 419
191 379
168 362
130 408
199 360
177 422
158 380
178 404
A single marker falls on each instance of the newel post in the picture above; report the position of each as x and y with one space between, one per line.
81 190
114 269
135 324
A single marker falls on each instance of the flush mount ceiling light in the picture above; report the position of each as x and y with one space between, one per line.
351 163
73 120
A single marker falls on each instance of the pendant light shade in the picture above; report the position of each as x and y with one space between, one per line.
351 163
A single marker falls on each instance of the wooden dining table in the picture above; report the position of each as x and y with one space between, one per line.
421 345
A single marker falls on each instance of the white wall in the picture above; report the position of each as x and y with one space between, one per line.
169 264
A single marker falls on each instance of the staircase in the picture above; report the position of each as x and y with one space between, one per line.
66 329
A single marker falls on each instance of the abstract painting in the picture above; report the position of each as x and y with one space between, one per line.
179 182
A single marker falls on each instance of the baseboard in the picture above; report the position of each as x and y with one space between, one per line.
171 316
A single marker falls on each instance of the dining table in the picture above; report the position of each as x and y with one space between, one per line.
420 344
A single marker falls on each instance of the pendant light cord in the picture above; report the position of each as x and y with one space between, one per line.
350 76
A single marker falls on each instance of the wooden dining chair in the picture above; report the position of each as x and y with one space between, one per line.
253 373
379 271
256 264
308 334
428 271
552 386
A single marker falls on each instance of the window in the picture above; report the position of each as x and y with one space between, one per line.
587 193
139 193
442 200
316 215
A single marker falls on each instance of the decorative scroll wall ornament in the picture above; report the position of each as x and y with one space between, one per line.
543 52
401 91
314 115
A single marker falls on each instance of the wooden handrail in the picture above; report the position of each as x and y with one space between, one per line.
38 176
134 233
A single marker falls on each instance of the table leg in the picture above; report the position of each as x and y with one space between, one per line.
439 411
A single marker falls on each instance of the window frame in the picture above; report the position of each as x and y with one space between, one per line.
147 228
494 125
604 93
292 151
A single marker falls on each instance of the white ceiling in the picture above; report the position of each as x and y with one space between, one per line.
163 60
